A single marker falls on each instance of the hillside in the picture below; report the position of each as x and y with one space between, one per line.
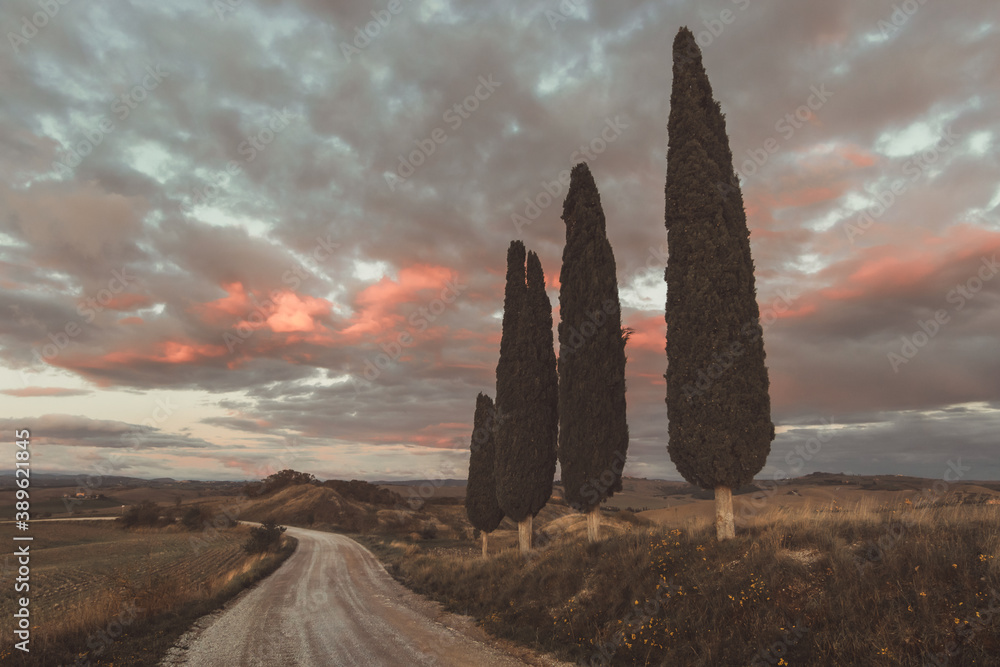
323 508
875 585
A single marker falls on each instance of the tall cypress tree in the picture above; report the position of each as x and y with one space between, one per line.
481 492
593 432
527 395
718 407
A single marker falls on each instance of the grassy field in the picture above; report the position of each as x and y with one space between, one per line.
872 585
103 595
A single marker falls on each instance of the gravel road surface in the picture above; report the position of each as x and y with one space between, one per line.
332 603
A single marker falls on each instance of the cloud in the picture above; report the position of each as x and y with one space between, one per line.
34 392
79 431
269 271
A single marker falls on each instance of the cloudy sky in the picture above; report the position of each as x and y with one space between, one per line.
240 235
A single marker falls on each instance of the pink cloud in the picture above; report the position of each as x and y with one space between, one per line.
281 312
376 308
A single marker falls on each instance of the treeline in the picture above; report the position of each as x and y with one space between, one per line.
573 409
570 410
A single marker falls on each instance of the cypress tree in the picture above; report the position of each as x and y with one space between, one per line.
593 432
527 395
718 407
481 492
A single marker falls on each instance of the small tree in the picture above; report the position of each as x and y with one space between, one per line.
282 479
719 422
263 538
593 431
481 491
145 513
194 518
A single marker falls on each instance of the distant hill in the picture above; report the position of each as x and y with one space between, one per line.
322 507
55 479
418 482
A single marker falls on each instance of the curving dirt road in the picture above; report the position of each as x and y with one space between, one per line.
332 603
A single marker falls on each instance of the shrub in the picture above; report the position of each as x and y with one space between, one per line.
146 513
263 538
365 492
194 518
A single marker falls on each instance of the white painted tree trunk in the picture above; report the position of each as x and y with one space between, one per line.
485 544
594 524
725 528
524 535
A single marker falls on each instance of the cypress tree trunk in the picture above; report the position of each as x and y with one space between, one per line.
485 544
524 534
594 523
725 529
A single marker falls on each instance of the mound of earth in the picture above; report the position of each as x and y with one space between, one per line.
305 504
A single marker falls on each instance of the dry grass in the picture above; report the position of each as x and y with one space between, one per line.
97 591
870 585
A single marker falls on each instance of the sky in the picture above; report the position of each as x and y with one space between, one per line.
238 236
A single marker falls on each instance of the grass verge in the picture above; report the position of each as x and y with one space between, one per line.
868 586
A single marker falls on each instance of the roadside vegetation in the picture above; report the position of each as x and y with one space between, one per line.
263 538
872 585
104 594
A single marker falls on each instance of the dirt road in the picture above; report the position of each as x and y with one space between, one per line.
332 603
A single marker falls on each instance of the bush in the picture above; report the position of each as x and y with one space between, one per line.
263 538
194 518
146 513
365 492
